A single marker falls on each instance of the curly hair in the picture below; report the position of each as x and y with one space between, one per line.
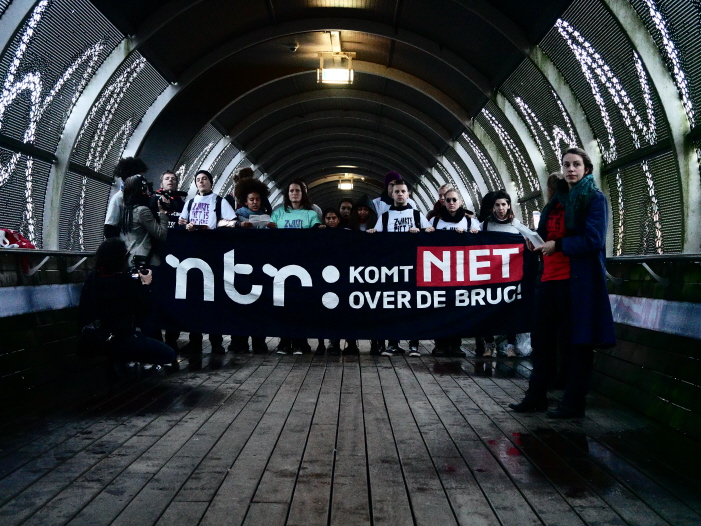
247 186
128 166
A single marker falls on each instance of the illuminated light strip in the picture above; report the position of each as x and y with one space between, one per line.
32 82
619 189
477 195
111 97
654 209
183 168
492 180
558 134
589 61
518 161
670 50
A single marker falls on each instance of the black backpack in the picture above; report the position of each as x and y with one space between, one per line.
385 220
217 207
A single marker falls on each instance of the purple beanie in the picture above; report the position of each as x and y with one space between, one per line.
392 176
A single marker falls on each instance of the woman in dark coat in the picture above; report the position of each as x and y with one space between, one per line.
572 303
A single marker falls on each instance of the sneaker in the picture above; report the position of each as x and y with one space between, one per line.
393 350
320 349
511 351
414 351
439 350
376 347
284 347
297 351
335 347
490 350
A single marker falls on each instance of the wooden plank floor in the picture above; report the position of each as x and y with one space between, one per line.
317 440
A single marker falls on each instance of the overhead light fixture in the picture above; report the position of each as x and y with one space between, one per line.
335 68
345 184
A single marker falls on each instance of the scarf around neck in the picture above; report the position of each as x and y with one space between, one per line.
574 200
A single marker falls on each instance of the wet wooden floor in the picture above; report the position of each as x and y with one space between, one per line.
306 440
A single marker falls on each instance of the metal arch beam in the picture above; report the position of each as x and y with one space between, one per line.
345 117
365 96
69 136
333 176
340 147
499 21
338 133
301 169
433 48
12 21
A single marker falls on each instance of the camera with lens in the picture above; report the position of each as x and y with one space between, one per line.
138 266
166 197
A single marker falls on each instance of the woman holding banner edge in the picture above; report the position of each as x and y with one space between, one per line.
572 303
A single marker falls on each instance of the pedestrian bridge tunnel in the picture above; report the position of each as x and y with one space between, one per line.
477 94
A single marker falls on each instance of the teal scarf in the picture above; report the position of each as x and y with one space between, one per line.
575 201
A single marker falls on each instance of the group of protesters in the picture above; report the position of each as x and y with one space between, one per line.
573 228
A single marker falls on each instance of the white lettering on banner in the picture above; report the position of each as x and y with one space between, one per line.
476 265
505 254
373 274
445 266
182 269
442 264
279 277
230 271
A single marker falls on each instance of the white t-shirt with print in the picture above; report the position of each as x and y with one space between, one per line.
401 221
203 210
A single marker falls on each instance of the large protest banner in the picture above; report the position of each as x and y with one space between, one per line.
344 284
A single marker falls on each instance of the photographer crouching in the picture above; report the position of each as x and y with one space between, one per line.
114 301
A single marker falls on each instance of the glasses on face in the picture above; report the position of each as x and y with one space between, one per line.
451 199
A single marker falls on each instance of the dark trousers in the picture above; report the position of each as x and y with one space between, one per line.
510 339
139 348
214 339
552 332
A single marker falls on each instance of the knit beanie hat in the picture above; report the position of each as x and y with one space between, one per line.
392 176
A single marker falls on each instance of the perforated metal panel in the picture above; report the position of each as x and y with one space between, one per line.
481 158
127 95
608 77
676 28
222 160
466 177
531 94
83 206
646 208
51 77
22 195
228 186
3 6
513 152
191 160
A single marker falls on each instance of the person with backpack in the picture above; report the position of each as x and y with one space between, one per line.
206 211
501 220
452 216
400 217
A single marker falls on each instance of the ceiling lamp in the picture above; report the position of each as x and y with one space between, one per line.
335 68
345 184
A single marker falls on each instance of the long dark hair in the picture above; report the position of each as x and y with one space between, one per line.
502 194
306 202
135 194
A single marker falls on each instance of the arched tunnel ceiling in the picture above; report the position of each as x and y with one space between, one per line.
423 71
